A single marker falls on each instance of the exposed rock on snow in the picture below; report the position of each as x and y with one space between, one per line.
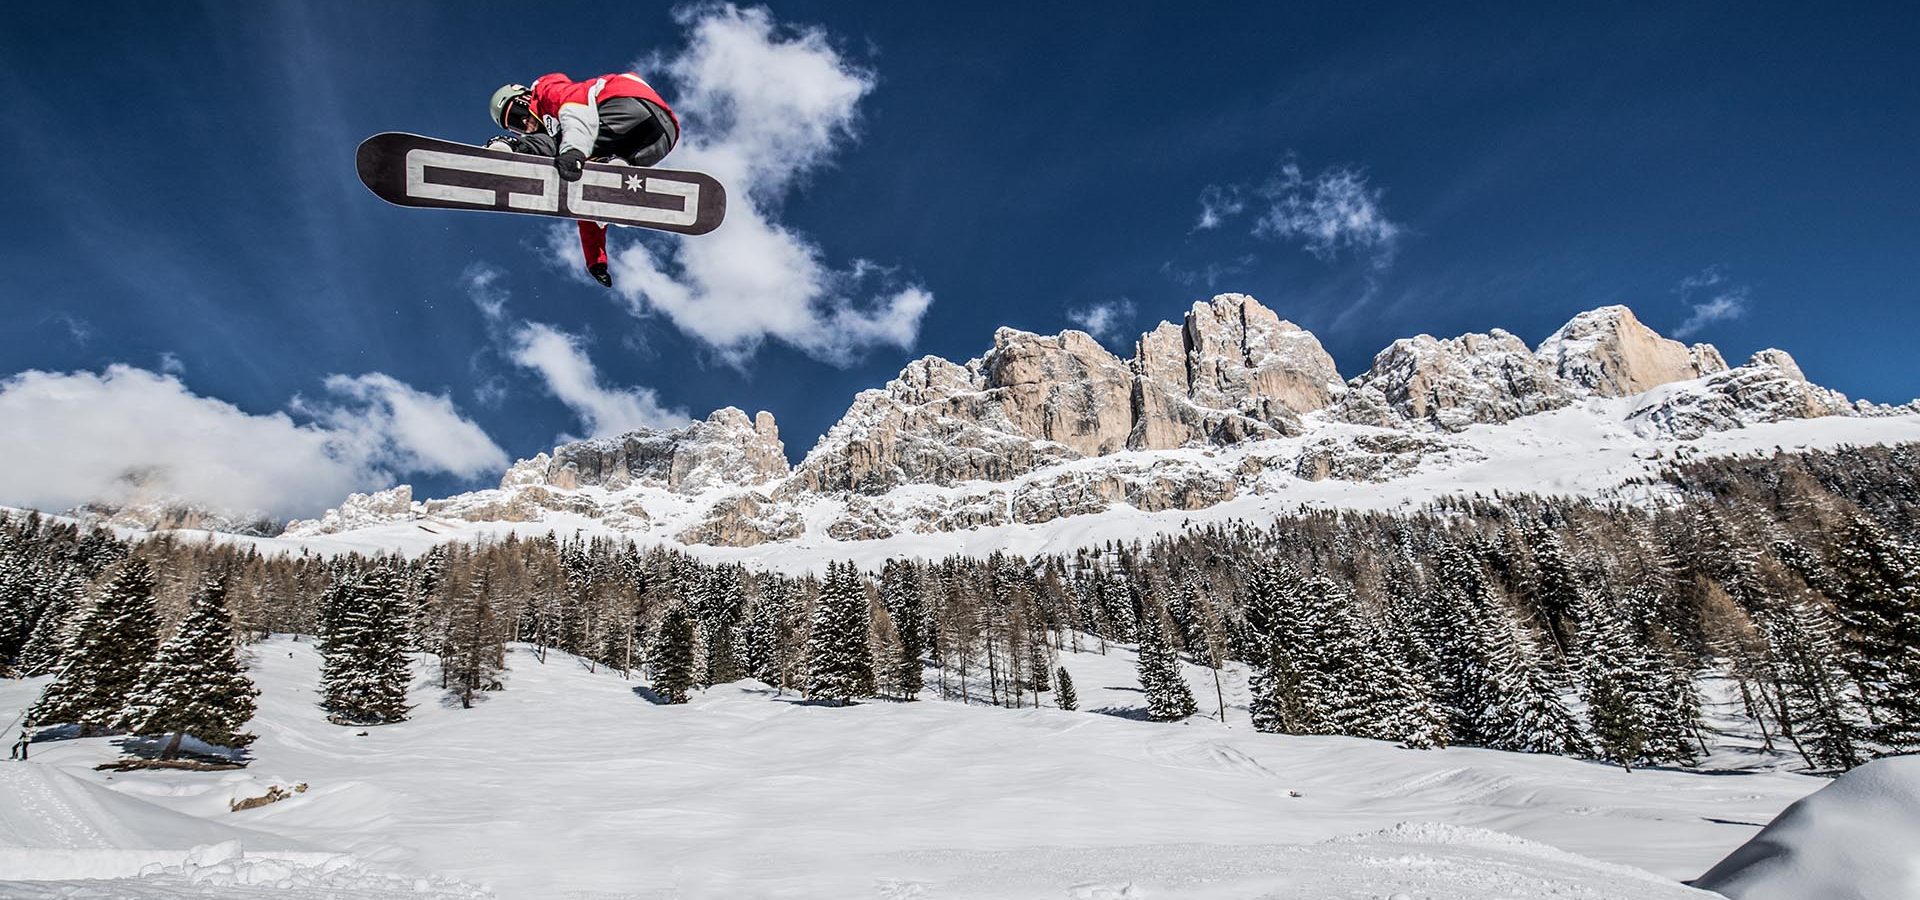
1854 838
1607 352
745 519
1769 388
726 450
363 510
1452 384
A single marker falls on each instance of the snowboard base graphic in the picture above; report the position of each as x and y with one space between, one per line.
411 170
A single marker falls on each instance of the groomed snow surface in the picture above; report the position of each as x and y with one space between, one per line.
572 784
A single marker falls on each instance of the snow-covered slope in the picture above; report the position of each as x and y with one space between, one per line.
571 784
1857 838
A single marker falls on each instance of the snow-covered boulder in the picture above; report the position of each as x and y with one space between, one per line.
1855 839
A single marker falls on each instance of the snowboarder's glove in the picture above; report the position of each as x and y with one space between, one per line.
571 162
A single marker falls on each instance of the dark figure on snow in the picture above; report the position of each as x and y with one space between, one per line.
614 118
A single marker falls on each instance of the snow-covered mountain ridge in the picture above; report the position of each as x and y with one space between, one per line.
1234 412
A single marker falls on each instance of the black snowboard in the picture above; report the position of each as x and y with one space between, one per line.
410 170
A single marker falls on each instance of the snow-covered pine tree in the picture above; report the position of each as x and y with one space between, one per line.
116 640
1879 605
365 669
196 687
1168 697
673 654
839 657
902 596
1273 620
719 604
1620 683
1814 706
1063 695
46 648
1501 692
764 638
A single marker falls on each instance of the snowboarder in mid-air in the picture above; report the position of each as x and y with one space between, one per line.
614 118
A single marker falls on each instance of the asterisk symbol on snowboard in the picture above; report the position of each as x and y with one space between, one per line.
636 183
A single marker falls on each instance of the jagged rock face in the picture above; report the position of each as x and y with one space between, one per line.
727 449
1241 356
745 520
360 511
1452 384
1233 372
1066 389
1769 388
935 424
1607 352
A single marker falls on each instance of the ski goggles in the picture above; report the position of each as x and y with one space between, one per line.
517 116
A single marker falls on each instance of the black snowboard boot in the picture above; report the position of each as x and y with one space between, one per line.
600 274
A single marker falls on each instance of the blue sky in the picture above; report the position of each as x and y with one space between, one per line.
182 201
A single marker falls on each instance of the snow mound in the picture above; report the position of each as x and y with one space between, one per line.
1857 838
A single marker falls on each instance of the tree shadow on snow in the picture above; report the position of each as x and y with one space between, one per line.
650 695
1123 712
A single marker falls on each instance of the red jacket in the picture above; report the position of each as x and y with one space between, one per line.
569 108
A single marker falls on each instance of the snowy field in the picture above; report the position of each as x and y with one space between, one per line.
571 784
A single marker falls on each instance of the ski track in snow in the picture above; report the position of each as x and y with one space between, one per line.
568 784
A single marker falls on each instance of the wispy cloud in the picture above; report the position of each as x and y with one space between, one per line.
171 363
1334 210
1105 321
561 361
1712 297
765 105
1210 274
1219 203
128 434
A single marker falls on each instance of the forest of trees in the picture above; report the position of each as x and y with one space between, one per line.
1523 623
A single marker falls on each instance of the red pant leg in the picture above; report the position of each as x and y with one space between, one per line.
593 242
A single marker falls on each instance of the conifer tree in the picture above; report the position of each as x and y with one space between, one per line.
904 599
473 652
1168 697
196 687
1274 630
1063 695
673 654
764 634
1620 684
1879 605
839 657
116 640
46 648
365 669
1501 692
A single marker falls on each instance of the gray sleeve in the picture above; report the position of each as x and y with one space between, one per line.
580 122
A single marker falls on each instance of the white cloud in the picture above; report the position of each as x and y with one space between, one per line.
1333 210
411 430
1219 203
129 435
1105 321
1712 297
764 105
562 362
482 283
171 363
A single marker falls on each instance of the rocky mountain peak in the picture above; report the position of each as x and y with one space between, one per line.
1448 385
726 449
1608 352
